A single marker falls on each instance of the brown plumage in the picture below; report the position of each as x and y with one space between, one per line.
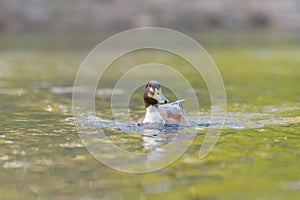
168 113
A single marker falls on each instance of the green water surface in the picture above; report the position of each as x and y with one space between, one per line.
256 157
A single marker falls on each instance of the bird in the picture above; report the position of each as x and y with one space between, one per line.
165 113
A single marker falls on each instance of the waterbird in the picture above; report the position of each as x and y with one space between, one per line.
165 113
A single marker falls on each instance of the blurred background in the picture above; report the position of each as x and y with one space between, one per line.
214 21
255 45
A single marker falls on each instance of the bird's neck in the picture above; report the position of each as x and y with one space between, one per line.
150 102
153 115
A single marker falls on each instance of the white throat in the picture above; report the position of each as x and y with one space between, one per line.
153 115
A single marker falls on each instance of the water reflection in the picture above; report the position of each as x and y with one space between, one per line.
155 137
150 139
131 147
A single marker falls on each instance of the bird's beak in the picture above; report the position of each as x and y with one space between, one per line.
160 97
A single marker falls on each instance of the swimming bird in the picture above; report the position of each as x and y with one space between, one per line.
167 113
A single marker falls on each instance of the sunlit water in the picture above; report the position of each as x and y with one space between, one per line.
152 139
257 155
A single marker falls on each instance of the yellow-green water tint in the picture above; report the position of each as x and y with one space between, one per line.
256 157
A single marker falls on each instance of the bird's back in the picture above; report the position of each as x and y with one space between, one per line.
173 113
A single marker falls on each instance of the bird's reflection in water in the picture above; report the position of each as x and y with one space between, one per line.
155 139
150 139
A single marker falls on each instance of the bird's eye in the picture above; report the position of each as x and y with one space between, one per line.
150 85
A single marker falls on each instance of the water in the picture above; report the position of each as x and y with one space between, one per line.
256 157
